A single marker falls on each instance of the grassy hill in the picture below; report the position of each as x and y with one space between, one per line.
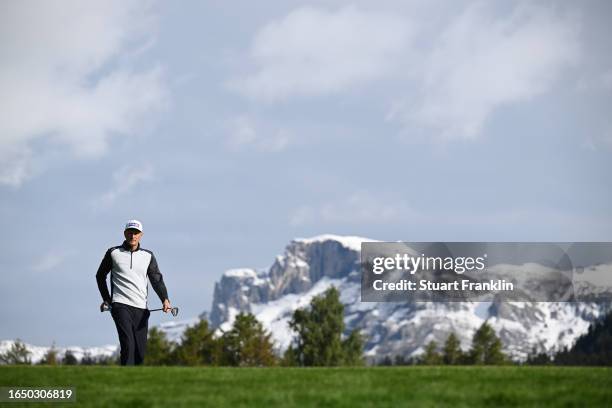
99 386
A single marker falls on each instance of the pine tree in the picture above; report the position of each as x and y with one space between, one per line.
495 355
486 347
452 353
69 358
537 358
290 357
88 359
108 360
319 334
592 348
431 355
159 349
352 348
247 343
320 330
198 346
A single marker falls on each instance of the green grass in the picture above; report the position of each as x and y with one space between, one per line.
320 387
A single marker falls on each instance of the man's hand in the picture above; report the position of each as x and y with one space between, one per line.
104 306
166 306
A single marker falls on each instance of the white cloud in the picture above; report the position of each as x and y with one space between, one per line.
312 52
482 61
68 77
124 181
246 133
451 71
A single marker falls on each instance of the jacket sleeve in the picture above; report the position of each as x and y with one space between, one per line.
156 279
103 270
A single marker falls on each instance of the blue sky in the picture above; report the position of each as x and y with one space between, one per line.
231 128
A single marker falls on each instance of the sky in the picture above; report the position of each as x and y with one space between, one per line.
231 128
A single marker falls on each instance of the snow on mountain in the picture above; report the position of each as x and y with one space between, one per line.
37 353
351 242
310 265
174 329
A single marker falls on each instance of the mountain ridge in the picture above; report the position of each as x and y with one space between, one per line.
310 265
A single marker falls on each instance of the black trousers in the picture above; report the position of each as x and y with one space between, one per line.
132 326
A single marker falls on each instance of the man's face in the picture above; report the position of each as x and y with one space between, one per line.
132 236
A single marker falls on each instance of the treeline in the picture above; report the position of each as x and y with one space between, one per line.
19 354
486 349
591 348
318 341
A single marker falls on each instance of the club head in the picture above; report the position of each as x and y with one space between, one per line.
174 311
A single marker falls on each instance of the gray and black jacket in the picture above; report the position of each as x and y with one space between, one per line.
129 271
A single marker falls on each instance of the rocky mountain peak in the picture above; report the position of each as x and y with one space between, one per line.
304 262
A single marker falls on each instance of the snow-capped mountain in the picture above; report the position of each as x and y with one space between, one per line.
309 266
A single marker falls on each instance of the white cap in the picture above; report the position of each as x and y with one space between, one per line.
135 224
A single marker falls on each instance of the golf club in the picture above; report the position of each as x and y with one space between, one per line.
174 311
106 307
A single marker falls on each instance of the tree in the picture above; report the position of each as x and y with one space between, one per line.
159 349
50 357
353 349
290 357
386 361
592 348
319 333
108 360
198 346
452 353
536 357
431 355
247 343
88 359
495 354
17 354
486 347
69 358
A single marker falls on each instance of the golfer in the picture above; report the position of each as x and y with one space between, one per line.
130 265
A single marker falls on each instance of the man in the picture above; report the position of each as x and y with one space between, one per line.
130 265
